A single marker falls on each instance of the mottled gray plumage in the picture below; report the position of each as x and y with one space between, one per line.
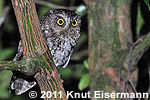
60 39
61 29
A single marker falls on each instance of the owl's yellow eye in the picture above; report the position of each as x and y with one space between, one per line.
74 23
60 21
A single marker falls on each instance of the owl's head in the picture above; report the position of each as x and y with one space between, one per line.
61 21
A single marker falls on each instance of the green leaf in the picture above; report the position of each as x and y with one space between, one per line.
6 53
86 64
42 11
81 10
84 82
65 72
139 21
4 84
1 6
147 3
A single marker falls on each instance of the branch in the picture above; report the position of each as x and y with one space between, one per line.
11 65
34 47
54 6
27 66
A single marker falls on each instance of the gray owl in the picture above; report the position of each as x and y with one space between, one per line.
61 29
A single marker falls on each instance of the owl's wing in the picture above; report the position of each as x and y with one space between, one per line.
19 54
19 83
66 63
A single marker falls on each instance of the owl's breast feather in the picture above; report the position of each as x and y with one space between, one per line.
61 50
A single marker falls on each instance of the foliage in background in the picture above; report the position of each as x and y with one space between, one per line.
5 53
81 10
1 7
5 75
80 72
147 3
85 79
139 21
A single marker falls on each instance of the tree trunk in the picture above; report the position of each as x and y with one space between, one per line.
109 39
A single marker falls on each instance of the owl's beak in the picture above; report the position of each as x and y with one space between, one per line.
68 32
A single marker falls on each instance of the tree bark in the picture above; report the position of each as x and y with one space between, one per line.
110 46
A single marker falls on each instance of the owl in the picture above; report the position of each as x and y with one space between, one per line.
61 29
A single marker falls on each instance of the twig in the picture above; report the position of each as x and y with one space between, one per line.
126 83
51 5
130 56
131 50
135 52
133 87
